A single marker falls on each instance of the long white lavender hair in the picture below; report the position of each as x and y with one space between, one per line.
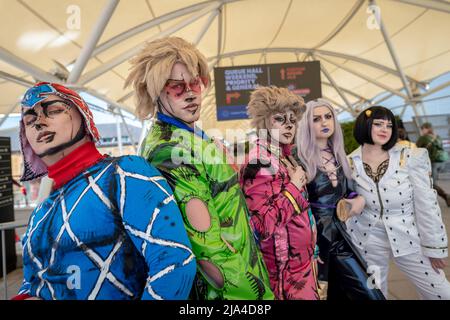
307 149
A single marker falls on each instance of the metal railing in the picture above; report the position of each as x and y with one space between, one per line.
3 227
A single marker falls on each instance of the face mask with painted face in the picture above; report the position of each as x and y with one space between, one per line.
323 122
181 97
52 126
381 131
282 126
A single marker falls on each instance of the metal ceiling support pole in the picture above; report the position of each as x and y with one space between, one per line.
125 97
102 97
212 64
128 130
153 13
15 79
406 84
416 117
394 56
205 28
105 67
402 113
321 52
361 106
422 107
280 26
23 65
153 23
414 106
363 76
350 92
417 99
145 129
383 99
6 116
146 26
119 132
89 46
442 6
336 87
342 24
219 34
436 89
336 103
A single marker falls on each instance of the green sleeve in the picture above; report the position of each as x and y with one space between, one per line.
189 180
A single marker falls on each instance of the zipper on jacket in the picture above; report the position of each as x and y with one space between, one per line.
379 199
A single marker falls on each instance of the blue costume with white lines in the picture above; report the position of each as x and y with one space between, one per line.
112 232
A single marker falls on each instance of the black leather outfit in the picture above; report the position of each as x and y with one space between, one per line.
344 268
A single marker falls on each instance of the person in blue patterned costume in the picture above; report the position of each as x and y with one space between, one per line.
110 229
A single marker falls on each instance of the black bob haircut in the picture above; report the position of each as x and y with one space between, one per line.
363 125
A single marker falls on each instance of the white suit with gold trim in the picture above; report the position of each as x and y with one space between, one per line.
401 220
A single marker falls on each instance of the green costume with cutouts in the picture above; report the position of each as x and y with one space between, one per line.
196 168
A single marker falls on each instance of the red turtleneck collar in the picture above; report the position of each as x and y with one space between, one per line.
75 162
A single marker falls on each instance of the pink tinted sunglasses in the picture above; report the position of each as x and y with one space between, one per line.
176 88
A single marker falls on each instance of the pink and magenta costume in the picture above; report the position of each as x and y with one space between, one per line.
282 222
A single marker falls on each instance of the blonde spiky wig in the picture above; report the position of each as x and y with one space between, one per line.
266 101
151 69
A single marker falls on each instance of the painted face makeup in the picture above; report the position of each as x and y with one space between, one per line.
282 127
181 96
381 131
52 126
323 122
47 109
